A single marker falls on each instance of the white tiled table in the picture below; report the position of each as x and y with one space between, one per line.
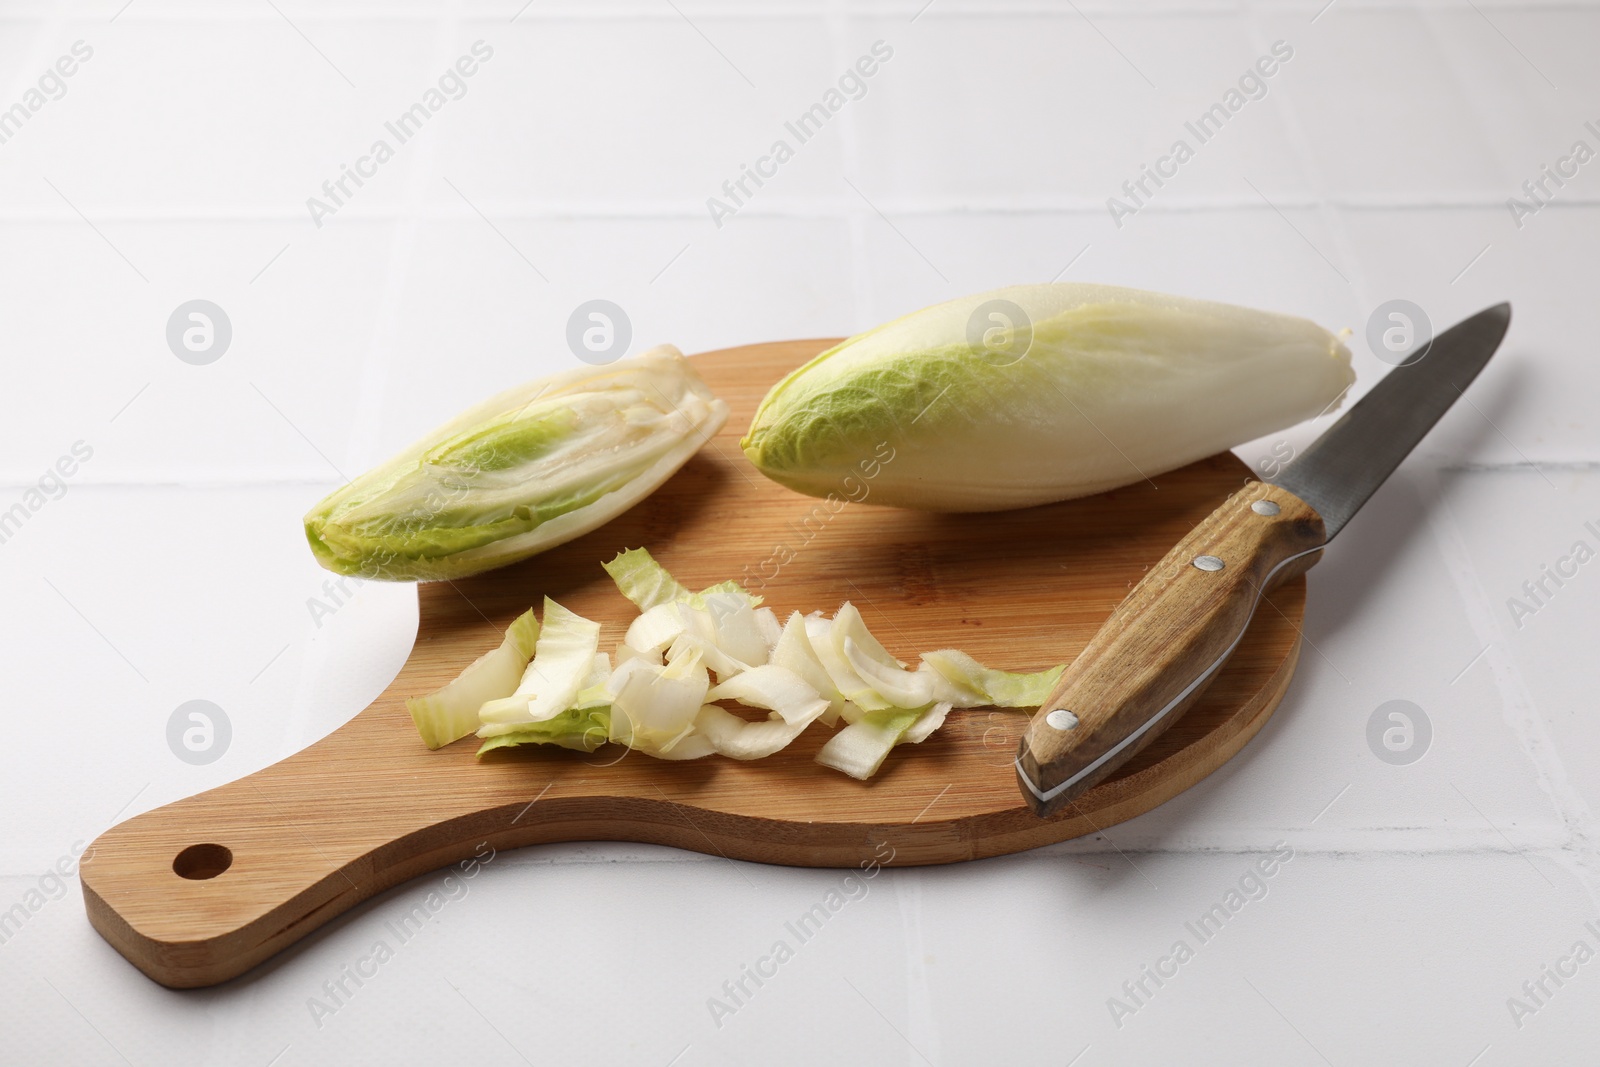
177 165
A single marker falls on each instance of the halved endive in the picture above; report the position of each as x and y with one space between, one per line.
523 472
1040 393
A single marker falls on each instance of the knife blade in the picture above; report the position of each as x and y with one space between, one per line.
1172 634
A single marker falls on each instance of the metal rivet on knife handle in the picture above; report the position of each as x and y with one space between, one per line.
1209 563
1062 719
1264 507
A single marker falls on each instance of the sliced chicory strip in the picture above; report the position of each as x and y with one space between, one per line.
562 662
926 724
451 713
655 629
846 680
737 738
580 729
654 708
900 687
644 581
793 652
861 747
647 583
776 689
1003 689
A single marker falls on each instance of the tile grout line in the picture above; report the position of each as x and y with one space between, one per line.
1518 709
803 207
578 12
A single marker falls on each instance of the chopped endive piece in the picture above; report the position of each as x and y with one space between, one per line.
861 747
846 680
647 583
735 627
451 713
644 581
655 707
770 628
793 652
655 629
775 689
926 724
946 691
520 473
595 690
700 642
848 623
563 660
1003 689
1038 393
580 729
735 738
723 629
900 687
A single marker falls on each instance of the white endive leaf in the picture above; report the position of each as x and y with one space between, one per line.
776 689
655 707
734 737
926 724
451 713
829 648
900 687
860 748
562 660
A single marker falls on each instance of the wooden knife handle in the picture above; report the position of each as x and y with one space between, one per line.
1165 642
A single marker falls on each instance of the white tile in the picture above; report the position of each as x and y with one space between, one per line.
635 115
1333 939
1063 110
1513 529
196 117
99 367
1532 401
1417 104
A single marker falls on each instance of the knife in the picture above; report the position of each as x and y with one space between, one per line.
1169 638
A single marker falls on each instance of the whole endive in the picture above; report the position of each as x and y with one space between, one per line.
1039 393
522 472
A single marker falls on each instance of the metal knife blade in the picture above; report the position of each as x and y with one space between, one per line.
1175 630
1345 466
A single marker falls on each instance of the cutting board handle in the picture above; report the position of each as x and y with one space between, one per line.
1164 643
201 889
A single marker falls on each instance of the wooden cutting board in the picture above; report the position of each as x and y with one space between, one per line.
203 889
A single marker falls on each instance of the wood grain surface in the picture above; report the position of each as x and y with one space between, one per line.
200 890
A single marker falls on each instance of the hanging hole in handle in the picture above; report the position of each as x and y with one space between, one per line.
199 862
